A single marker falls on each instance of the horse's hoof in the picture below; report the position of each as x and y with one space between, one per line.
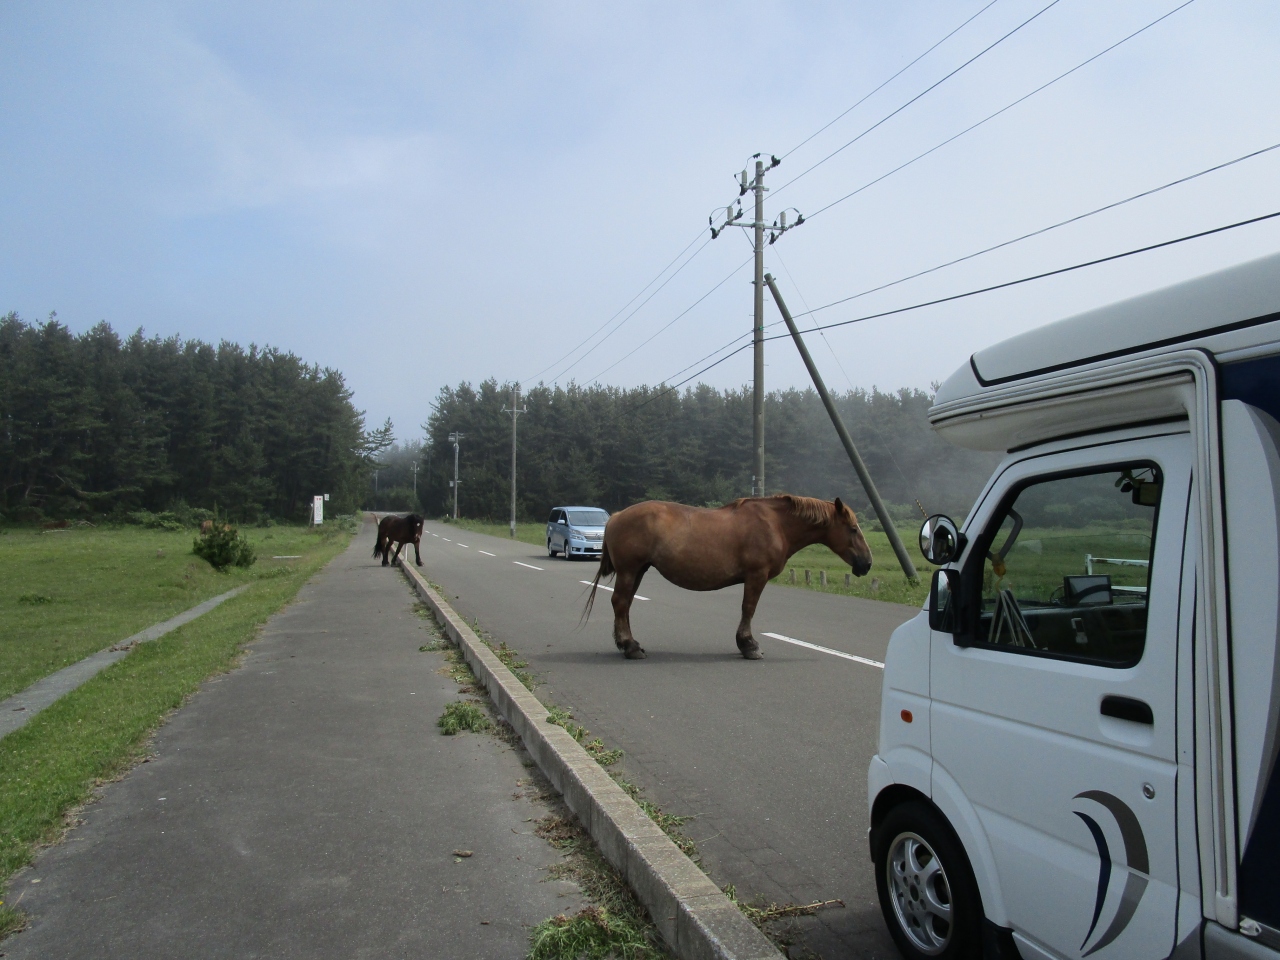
754 654
635 653
419 562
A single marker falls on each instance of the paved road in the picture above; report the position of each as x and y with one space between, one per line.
305 805
770 755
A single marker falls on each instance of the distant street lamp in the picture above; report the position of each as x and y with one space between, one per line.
454 438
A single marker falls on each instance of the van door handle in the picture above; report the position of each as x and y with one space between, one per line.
1126 708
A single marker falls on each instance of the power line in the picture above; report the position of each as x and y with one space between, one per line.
922 93
1062 223
957 296
1006 107
616 315
626 355
872 93
1037 276
641 306
985 250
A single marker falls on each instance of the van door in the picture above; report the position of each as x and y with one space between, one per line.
1054 709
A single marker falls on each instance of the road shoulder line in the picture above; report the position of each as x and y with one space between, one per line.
835 653
696 919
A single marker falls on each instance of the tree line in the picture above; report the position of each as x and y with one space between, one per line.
92 424
611 447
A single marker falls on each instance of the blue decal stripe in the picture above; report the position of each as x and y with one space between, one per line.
1104 870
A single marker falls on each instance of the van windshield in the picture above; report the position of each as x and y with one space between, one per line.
587 518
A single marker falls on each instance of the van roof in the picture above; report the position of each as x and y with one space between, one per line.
1231 309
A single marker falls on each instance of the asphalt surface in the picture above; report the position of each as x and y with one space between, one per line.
306 805
770 756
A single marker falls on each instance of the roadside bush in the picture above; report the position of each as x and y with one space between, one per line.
223 547
165 520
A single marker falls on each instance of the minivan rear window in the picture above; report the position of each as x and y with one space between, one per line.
587 518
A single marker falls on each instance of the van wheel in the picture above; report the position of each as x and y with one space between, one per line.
550 552
928 896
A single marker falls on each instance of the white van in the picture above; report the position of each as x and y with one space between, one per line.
1078 735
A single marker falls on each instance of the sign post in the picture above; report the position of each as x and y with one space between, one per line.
317 510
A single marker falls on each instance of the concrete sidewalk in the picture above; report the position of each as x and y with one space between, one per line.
306 805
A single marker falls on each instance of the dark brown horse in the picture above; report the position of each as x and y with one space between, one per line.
400 530
748 541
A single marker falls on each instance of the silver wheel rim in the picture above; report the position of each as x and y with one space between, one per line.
920 892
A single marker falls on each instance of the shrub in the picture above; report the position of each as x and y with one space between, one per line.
223 547
166 520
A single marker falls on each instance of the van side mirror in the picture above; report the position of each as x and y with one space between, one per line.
942 601
941 540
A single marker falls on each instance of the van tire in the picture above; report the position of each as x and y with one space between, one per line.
916 835
550 552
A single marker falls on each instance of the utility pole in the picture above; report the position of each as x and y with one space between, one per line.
415 481
859 467
454 438
515 411
758 227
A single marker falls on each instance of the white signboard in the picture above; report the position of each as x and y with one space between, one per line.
317 510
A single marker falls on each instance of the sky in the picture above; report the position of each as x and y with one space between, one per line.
421 194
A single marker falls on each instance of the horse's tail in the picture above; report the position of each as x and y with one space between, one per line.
378 548
606 570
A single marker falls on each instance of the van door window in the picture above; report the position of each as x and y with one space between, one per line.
1067 564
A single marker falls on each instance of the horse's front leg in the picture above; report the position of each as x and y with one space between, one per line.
624 591
752 589
417 557
399 547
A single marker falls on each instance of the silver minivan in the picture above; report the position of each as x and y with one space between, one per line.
576 531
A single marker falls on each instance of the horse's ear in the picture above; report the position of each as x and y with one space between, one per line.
840 508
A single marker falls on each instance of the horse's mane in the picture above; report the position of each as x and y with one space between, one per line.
809 509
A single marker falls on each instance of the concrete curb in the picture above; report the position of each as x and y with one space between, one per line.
17 710
696 919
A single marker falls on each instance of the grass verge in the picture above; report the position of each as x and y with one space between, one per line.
534 533
886 581
97 732
66 594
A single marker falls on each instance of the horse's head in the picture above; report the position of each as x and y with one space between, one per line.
415 522
845 539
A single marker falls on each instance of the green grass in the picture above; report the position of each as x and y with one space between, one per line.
463 715
67 594
96 732
886 581
534 533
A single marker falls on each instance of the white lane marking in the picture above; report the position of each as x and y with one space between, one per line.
464 545
446 540
488 554
529 565
435 535
610 589
834 653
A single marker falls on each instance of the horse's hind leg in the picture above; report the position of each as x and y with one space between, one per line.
399 546
624 591
750 597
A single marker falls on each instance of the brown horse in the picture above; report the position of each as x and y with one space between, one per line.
401 530
748 541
